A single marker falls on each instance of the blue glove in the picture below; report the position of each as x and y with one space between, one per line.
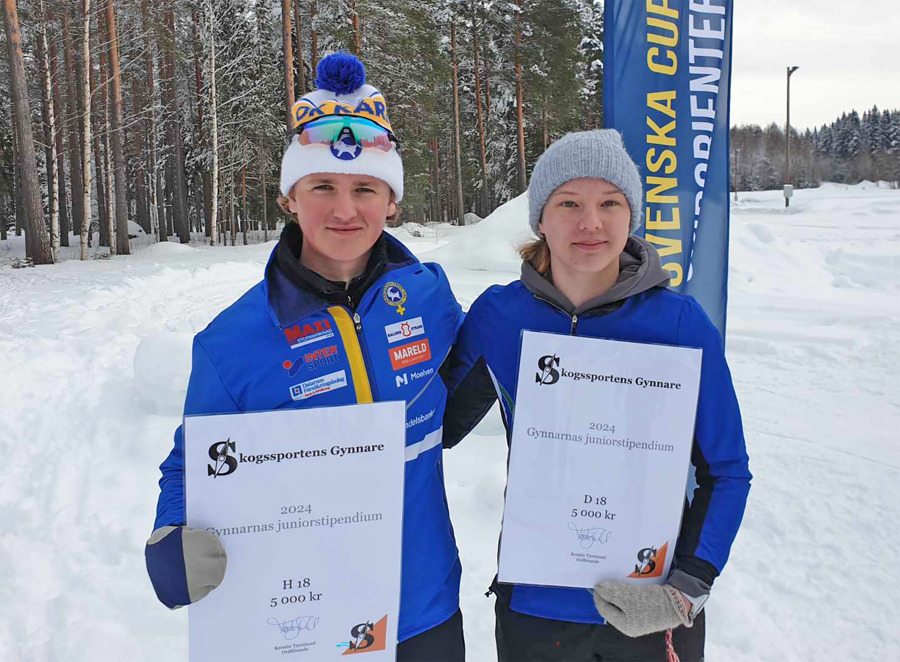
184 564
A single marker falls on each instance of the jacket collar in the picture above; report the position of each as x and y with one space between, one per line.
640 269
293 291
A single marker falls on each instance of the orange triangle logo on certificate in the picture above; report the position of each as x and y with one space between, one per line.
367 637
651 562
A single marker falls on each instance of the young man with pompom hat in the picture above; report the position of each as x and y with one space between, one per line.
335 281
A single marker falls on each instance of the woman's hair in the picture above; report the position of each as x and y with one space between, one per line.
283 206
537 253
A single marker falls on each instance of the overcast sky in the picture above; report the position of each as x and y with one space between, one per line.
848 52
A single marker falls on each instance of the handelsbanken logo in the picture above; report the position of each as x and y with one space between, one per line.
548 373
220 453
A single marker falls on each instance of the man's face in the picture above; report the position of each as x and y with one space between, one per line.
341 216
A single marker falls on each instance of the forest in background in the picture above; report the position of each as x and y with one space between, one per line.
188 104
173 115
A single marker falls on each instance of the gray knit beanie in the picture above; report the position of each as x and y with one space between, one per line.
599 154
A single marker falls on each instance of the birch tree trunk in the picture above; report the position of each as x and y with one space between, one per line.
51 121
214 123
64 223
140 170
485 191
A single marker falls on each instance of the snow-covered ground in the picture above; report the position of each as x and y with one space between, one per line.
94 359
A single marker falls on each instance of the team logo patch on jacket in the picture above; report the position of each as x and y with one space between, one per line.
410 354
395 296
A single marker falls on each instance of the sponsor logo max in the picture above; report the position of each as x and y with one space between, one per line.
319 385
403 330
306 334
410 354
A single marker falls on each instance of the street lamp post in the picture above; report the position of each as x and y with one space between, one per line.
788 189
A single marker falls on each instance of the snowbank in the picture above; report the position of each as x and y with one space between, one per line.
491 244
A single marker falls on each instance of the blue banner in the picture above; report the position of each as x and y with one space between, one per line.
666 83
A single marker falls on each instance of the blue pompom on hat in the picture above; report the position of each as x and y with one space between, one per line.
340 73
342 90
600 154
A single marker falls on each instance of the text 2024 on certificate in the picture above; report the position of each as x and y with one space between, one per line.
601 444
308 506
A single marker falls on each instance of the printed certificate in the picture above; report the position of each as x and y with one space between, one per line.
308 505
599 459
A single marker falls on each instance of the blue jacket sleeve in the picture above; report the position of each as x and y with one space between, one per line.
468 381
719 457
206 394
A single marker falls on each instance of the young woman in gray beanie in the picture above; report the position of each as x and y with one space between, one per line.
587 274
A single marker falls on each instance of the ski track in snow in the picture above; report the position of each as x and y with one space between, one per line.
96 356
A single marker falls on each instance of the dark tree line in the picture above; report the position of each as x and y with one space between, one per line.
851 149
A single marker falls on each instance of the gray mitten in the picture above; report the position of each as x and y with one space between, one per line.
638 610
184 564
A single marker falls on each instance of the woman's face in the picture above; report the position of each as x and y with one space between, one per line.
341 215
586 222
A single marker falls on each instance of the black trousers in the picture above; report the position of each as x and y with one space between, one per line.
523 638
443 643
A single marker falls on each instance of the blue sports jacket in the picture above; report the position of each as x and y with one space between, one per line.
484 367
284 346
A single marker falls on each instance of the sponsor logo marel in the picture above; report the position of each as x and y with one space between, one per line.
405 329
410 354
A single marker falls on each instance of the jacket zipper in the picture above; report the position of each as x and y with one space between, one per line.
357 323
574 318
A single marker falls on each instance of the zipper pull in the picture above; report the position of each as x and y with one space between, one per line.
358 322
574 325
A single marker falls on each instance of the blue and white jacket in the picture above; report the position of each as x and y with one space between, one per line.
297 340
638 308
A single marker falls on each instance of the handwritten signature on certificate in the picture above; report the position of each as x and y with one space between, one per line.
587 537
292 628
